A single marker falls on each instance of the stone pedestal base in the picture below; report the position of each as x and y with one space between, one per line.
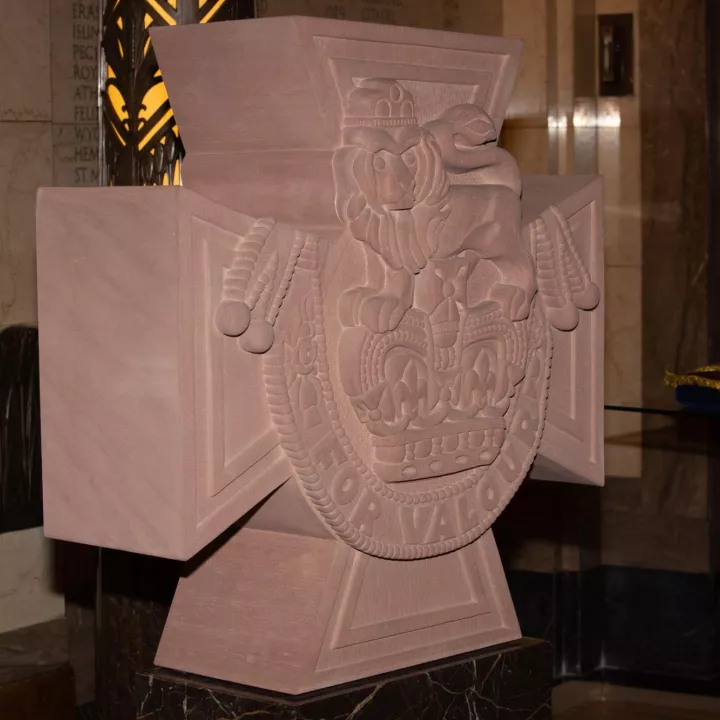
512 681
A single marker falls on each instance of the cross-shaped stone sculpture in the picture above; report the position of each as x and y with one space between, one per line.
355 330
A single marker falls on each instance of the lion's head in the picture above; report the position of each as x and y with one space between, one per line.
392 188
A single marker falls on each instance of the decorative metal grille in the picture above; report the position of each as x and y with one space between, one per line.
142 141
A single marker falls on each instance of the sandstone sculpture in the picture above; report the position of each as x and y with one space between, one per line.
354 330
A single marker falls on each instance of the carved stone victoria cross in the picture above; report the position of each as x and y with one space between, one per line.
362 373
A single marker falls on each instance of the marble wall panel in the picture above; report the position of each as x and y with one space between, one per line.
623 368
528 20
25 165
674 182
655 542
25 61
619 164
529 145
74 58
457 15
672 90
684 495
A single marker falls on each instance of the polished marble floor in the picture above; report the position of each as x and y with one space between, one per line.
633 711
590 701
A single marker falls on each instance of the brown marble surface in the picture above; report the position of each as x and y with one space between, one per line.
24 651
46 694
36 680
658 518
674 185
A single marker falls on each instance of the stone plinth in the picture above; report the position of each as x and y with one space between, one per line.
512 681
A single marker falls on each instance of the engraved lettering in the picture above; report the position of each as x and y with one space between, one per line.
345 486
524 426
441 524
366 512
84 12
309 394
508 463
467 513
329 452
85 72
414 522
532 376
489 493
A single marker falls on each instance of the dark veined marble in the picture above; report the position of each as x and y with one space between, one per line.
20 468
510 682
134 601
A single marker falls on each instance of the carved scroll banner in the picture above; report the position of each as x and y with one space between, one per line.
355 330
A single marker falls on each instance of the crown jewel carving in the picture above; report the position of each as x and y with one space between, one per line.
377 102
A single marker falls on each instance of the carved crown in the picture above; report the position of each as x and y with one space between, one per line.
377 102
433 392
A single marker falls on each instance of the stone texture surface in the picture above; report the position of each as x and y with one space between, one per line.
659 520
74 57
674 181
25 165
527 19
510 682
27 591
26 650
460 15
25 60
35 678
46 693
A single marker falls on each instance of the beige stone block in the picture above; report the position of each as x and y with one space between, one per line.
564 56
25 60
388 12
25 165
625 111
584 147
27 592
655 542
623 330
529 146
74 55
619 164
485 18
471 16
527 19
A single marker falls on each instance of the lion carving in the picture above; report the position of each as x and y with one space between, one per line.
395 195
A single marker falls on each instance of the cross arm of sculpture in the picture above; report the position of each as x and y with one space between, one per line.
338 393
